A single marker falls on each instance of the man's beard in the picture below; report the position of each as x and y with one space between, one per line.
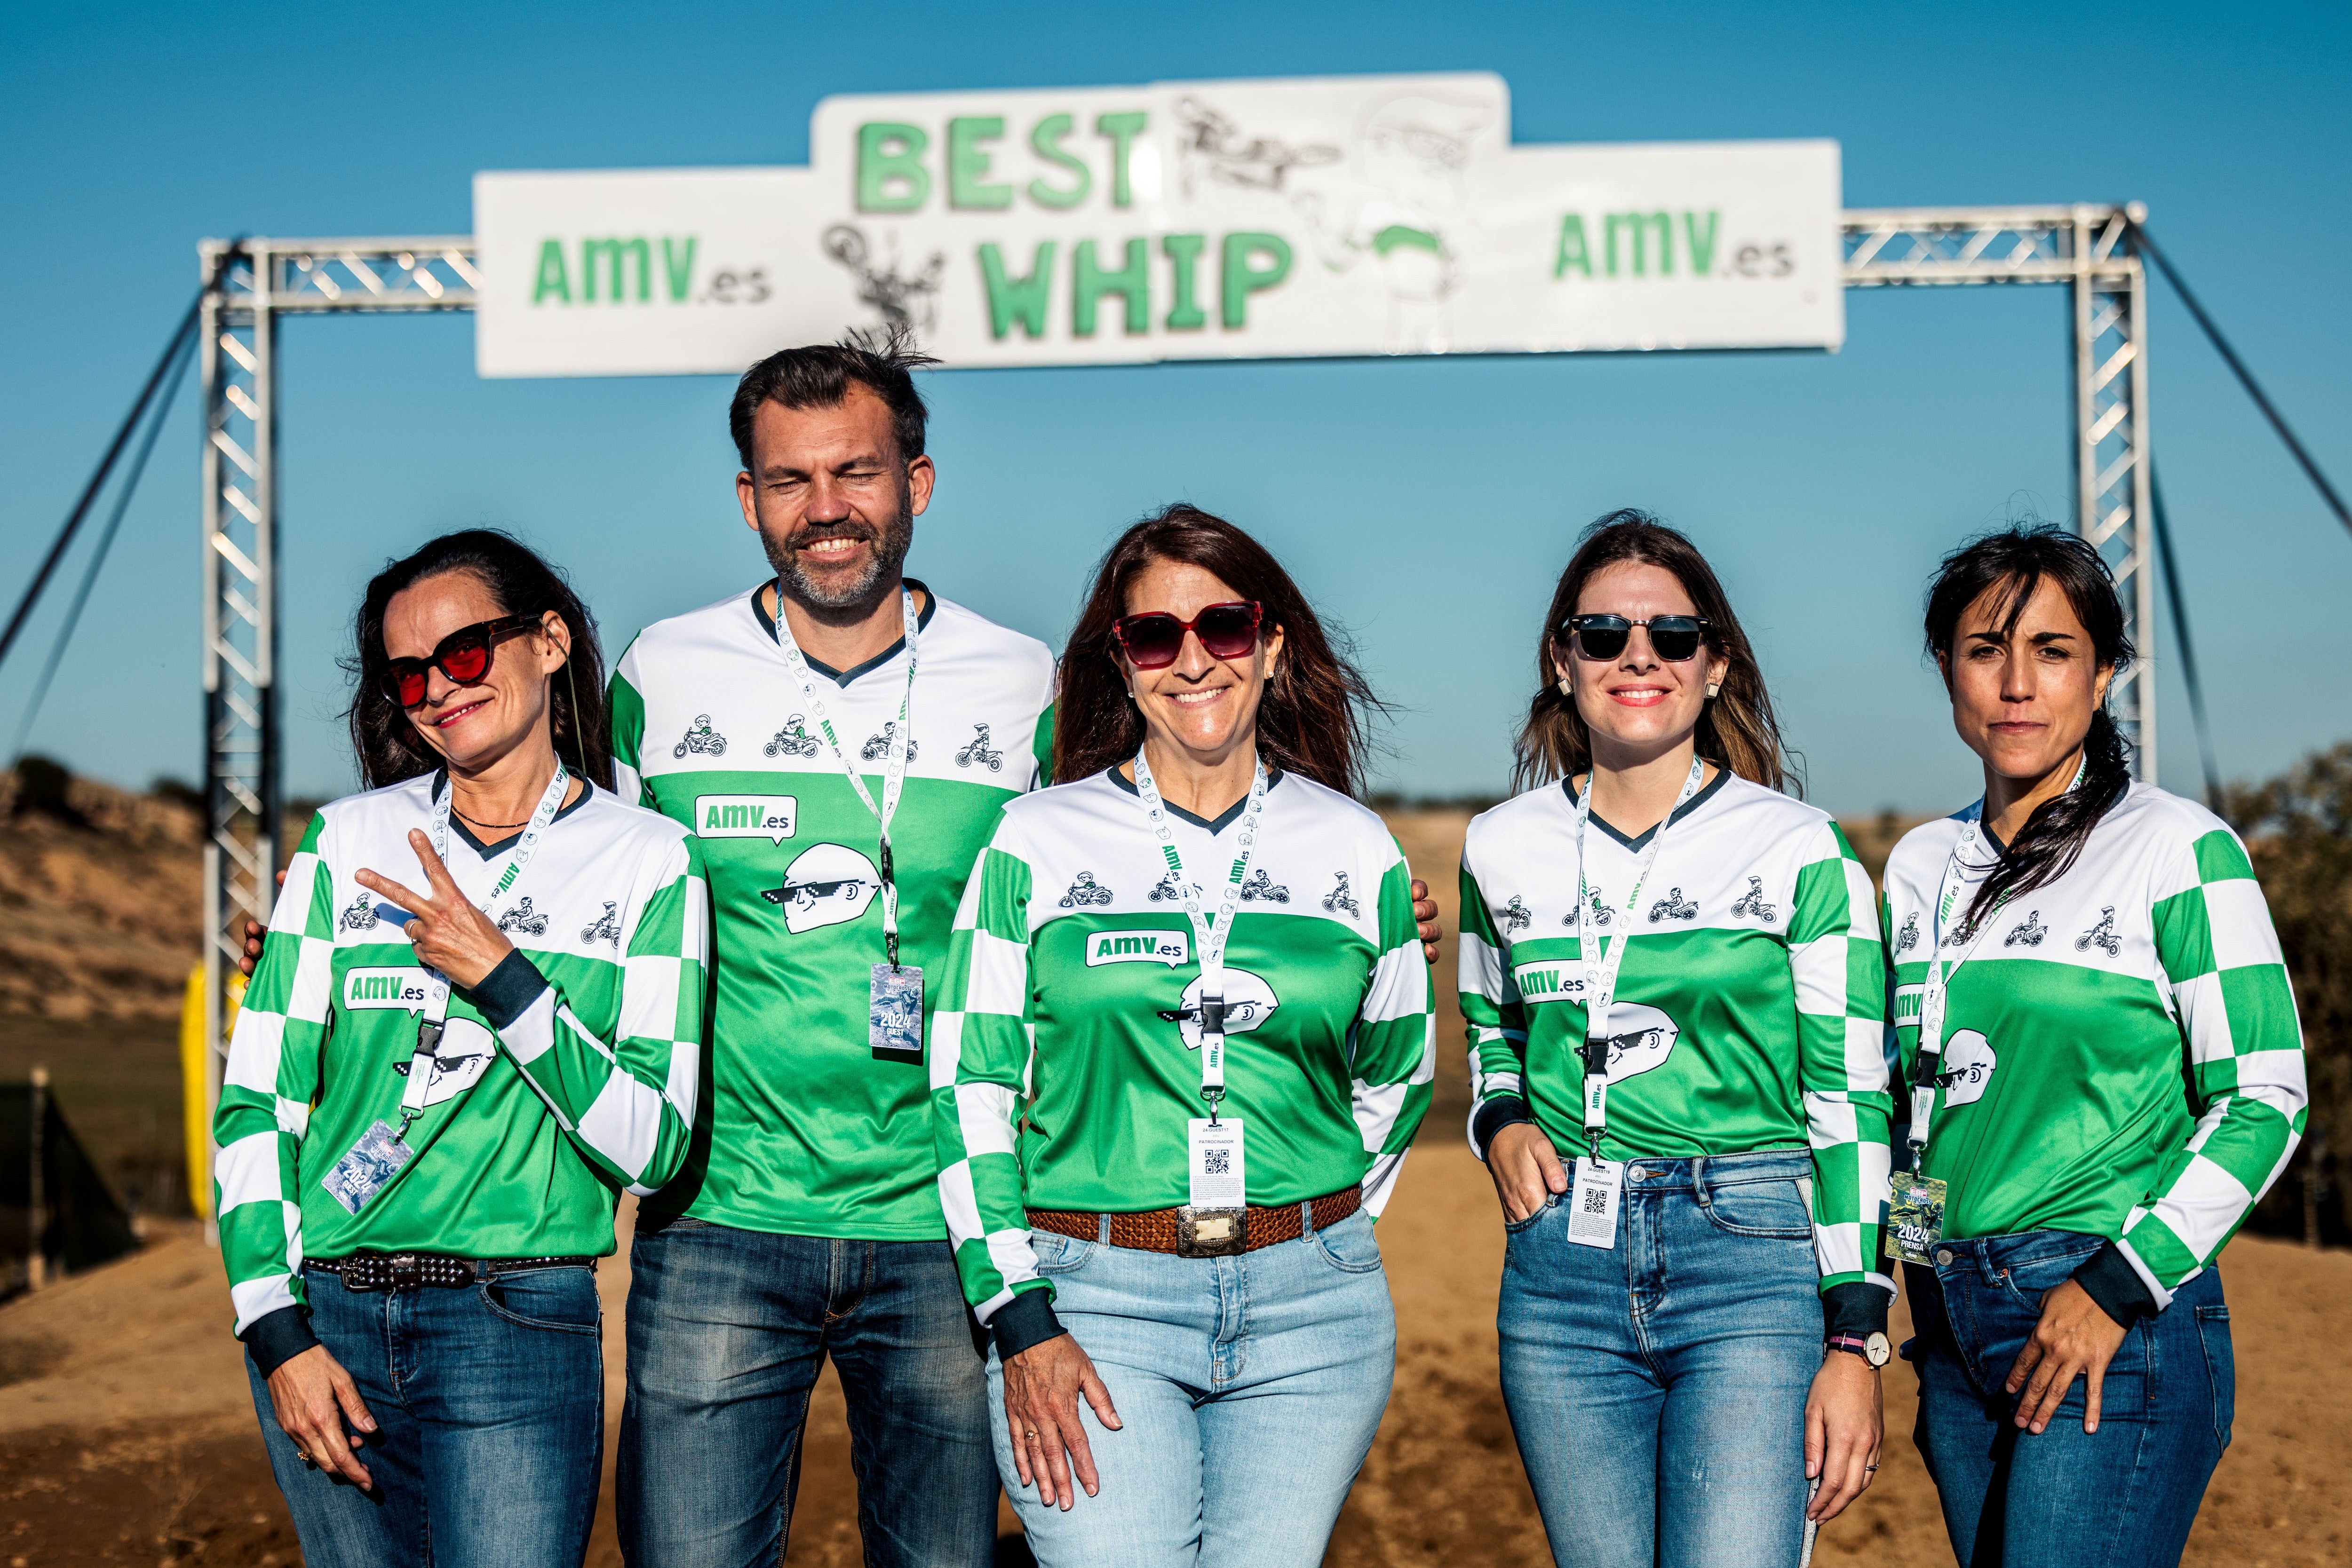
890 545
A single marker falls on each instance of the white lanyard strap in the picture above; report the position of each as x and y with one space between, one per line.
1208 941
1936 994
1600 969
893 768
436 990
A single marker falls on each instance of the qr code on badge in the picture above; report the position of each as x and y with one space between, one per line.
1216 1161
1596 1200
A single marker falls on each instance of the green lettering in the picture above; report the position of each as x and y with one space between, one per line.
1184 314
1701 243
1639 225
1573 251
1122 130
890 174
616 253
966 164
1046 139
679 268
1089 283
1240 279
1021 299
552 276
710 819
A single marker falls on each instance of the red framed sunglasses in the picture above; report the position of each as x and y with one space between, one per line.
1152 639
463 656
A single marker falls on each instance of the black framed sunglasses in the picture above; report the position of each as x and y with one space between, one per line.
1152 639
1675 638
463 656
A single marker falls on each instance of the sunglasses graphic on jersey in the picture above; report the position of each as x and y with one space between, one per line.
1675 638
463 656
1153 640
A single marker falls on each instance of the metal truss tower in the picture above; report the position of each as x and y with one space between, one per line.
260 281
2088 247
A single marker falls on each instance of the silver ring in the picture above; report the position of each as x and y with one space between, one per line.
1870 1468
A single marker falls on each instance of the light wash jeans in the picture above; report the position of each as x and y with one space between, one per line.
1248 1389
490 1408
1657 1389
2121 1496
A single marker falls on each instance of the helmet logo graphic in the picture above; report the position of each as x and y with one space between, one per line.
1248 1001
1640 1037
828 885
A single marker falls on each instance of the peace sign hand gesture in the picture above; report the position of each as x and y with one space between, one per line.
448 932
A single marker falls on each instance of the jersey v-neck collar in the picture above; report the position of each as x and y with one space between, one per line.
843 677
1233 813
1568 790
487 848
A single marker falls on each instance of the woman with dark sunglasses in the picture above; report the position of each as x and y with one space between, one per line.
1676 996
1185 1040
476 1015
2105 1073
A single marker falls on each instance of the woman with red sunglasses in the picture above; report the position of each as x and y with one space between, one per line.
477 1015
1675 996
1184 1043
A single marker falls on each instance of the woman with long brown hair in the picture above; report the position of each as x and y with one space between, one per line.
1672 976
1185 1040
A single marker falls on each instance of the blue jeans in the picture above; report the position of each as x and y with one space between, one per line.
1657 1389
728 1329
2121 1496
1248 1389
490 1408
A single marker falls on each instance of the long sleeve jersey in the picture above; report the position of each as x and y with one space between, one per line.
1750 1007
569 1073
1065 1065
806 1131
2121 1053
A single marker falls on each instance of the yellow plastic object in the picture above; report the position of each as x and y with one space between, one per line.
195 1088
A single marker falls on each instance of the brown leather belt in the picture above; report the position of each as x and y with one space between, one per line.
1204 1232
415 1271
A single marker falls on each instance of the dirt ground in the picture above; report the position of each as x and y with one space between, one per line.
127 1434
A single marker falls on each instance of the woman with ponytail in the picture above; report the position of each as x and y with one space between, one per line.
2106 1073
1675 997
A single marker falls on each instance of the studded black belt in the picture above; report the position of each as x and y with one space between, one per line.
415 1271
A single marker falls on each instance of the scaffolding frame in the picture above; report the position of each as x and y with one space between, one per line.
253 284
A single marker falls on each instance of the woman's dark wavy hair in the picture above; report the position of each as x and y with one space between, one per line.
1736 730
1311 719
2011 564
382 738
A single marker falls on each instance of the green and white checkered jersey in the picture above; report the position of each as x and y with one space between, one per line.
808 1132
1066 1055
529 1128
1750 1009
2122 1056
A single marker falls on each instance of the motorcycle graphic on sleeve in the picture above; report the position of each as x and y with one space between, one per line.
828 885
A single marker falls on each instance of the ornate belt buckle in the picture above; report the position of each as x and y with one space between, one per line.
407 1270
1211 1232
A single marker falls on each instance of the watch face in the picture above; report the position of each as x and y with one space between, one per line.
1878 1350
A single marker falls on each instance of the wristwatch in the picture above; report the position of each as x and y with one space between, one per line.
1875 1349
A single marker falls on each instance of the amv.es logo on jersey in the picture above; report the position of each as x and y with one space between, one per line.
401 989
1168 948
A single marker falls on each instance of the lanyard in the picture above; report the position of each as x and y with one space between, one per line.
1601 971
1936 994
435 1018
1208 941
893 768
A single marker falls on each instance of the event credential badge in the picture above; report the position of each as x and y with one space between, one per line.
1592 1204
1914 1219
894 1014
369 1168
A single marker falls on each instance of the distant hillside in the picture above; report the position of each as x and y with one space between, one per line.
102 909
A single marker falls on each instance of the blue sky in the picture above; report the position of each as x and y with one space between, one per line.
1426 504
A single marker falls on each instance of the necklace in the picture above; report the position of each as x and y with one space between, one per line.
477 821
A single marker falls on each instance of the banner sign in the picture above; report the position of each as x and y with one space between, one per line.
1320 217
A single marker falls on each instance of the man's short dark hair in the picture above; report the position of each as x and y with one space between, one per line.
820 376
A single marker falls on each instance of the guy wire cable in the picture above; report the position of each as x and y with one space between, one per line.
2246 377
2166 558
162 412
